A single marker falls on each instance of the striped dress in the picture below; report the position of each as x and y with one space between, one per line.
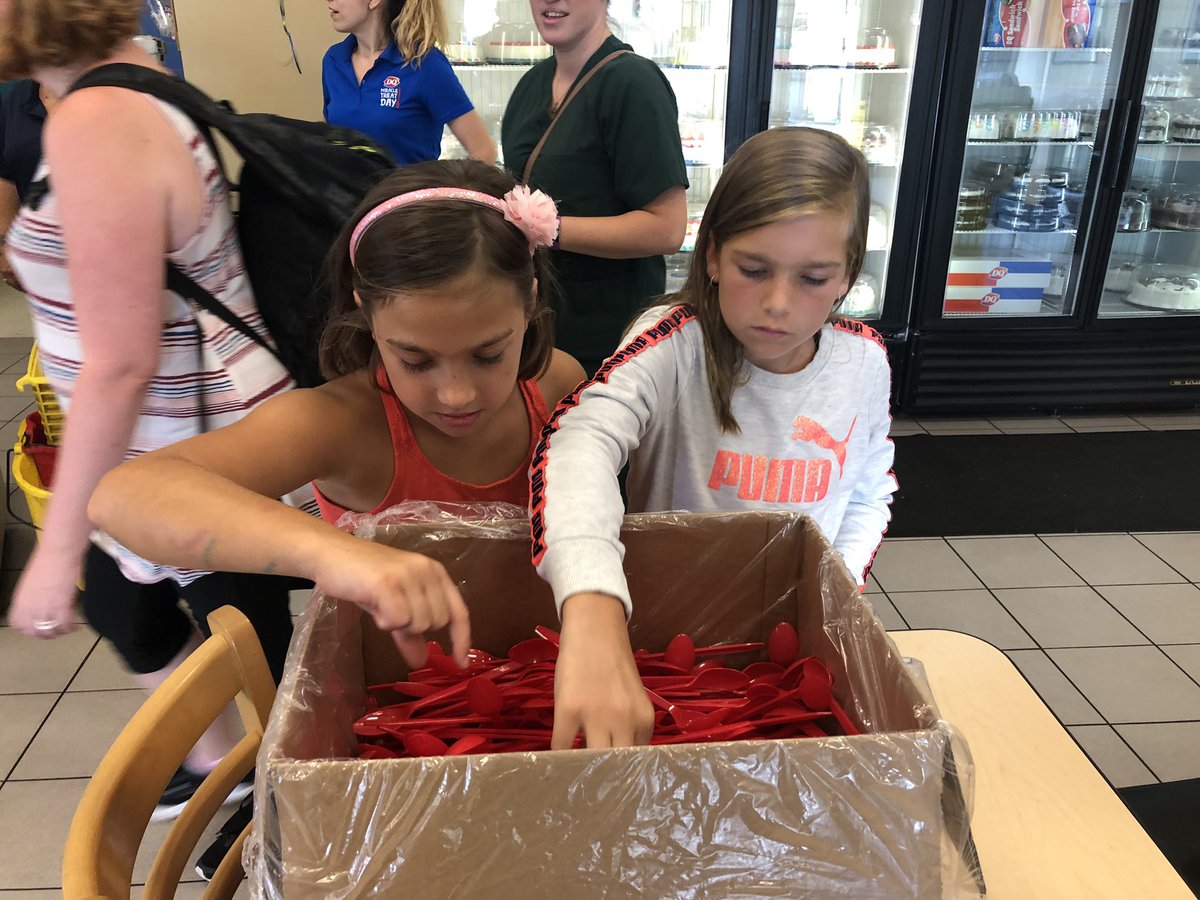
208 375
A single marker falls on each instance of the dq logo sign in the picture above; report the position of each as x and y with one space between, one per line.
990 299
391 81
997 273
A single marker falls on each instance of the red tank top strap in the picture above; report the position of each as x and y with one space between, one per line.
398 425
535 404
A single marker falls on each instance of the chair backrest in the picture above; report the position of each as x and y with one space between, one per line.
113 814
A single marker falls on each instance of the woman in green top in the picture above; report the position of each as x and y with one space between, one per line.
613 164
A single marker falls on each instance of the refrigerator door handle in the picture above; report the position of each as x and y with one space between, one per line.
1115 164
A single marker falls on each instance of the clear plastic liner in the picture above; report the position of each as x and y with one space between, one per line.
881 814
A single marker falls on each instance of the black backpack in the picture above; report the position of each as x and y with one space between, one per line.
299 183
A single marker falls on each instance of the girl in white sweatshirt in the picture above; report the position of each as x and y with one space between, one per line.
743 391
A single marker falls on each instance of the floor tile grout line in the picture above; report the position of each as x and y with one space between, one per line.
42 724
1071 681
992 593
896 608
1096 591
1151 641
1053 711
1099 768
1159 556
61 694
1038 645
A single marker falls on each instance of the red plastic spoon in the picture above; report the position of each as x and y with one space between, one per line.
483 697
422 743
783 644
681 652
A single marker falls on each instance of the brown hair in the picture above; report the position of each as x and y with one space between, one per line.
418 26
60 33
777 174
422 246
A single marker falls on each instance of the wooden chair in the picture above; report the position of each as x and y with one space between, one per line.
112 816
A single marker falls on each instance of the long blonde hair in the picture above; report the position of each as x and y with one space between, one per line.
777 174
418 26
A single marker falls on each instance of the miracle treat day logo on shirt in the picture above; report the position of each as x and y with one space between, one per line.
389 94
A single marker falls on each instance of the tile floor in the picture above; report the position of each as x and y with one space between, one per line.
1106 627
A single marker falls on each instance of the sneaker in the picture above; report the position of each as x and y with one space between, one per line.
183 784
210 859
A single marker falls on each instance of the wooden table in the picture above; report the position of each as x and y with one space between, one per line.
1045 821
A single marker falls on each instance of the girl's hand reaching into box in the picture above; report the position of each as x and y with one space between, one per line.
405 593
596 683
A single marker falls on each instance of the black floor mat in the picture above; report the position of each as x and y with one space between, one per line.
1046 483
1168 812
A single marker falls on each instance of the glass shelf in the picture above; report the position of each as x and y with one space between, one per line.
514 66
1193 232
994 231
1114 305
1071 50
986 143
851 70
487 66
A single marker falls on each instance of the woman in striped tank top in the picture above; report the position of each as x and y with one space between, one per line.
131 184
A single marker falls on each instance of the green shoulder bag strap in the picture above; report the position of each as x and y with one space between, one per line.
562 107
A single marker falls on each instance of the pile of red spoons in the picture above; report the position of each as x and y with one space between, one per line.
506 705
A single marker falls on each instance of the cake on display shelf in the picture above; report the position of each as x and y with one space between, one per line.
1186 126
514 45
1176 207
1119 277
1162 286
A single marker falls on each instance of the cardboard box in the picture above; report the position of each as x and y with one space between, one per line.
865 816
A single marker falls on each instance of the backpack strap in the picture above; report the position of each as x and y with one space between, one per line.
562 107
188 288
205 114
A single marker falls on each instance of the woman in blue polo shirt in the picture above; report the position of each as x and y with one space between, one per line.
389 80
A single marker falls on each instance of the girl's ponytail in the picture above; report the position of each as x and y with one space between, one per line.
418 25
346 341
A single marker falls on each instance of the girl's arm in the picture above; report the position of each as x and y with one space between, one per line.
868 512
113 172
472 133
208 503
656 229
576 513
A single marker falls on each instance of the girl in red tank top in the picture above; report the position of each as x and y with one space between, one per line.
439 350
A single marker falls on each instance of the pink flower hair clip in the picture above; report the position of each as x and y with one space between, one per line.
532 212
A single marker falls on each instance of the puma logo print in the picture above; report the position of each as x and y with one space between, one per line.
765 480
813 432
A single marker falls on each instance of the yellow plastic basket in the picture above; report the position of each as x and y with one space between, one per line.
47 403
25 474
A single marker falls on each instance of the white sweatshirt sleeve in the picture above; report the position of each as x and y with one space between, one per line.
575 501
869 510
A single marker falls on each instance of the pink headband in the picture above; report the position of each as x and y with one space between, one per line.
533 213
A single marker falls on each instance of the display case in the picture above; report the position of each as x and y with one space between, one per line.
1046 75
1060 242
494 42
1153 268
847 66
